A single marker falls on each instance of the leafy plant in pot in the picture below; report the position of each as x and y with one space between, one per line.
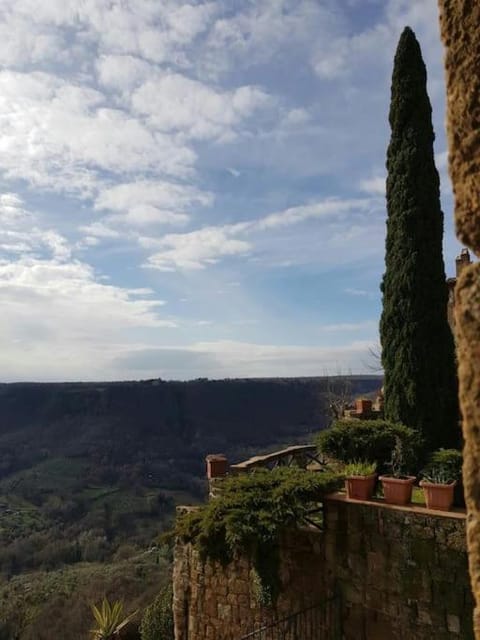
360 479
397 486
450 460
438 487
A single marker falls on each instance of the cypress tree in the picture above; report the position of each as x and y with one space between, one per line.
417 342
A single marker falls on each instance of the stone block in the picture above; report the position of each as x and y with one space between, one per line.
453 623
224 611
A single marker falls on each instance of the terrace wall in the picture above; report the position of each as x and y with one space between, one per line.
399 572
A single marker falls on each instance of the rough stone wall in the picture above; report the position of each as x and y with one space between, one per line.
459 21
400 573
212 602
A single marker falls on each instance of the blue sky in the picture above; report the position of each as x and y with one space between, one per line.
197 189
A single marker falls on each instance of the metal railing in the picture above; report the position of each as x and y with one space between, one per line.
318 622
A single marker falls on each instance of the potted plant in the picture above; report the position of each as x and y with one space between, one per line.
360 479
397 486
438 487
451 461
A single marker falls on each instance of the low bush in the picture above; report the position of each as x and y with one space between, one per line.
249 516
157 620
371 441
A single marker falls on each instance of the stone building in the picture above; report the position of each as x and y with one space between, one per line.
461 261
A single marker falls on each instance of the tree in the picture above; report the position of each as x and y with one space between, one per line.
417 343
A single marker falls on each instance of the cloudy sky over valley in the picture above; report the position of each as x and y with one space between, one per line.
197 189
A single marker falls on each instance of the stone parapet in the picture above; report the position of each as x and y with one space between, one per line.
400 573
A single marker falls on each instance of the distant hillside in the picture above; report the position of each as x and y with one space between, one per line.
90 475
153 420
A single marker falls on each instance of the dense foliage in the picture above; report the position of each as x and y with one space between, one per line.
371 441
417 343
157 620
250 515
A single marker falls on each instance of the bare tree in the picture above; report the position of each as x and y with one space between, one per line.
374 363
338 395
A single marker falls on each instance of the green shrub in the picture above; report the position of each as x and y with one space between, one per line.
371 441
157 621
447 463
249 516
448 460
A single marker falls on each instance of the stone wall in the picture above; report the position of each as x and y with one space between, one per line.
212 602
399 573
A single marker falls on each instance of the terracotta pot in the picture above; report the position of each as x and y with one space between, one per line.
360 487
438 496
397 490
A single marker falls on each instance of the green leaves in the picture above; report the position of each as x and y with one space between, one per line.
417 343
157 621
250 515
370 441
110 620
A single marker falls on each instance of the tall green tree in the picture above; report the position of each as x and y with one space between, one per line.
417 342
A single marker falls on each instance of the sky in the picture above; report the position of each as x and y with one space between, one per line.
196 189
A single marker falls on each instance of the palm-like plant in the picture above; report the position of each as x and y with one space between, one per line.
110 620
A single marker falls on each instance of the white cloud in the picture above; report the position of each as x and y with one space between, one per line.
12 211
226 358
329 207
99 230
20 236
148 201
114 106
24 41
122 72
266 29
175 103
156 31
197 249
59 135
59 321
194 250
295 117
349 54
368 325
374 186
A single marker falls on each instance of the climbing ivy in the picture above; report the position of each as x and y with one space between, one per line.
249 516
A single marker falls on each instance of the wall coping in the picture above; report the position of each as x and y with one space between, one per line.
414 509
